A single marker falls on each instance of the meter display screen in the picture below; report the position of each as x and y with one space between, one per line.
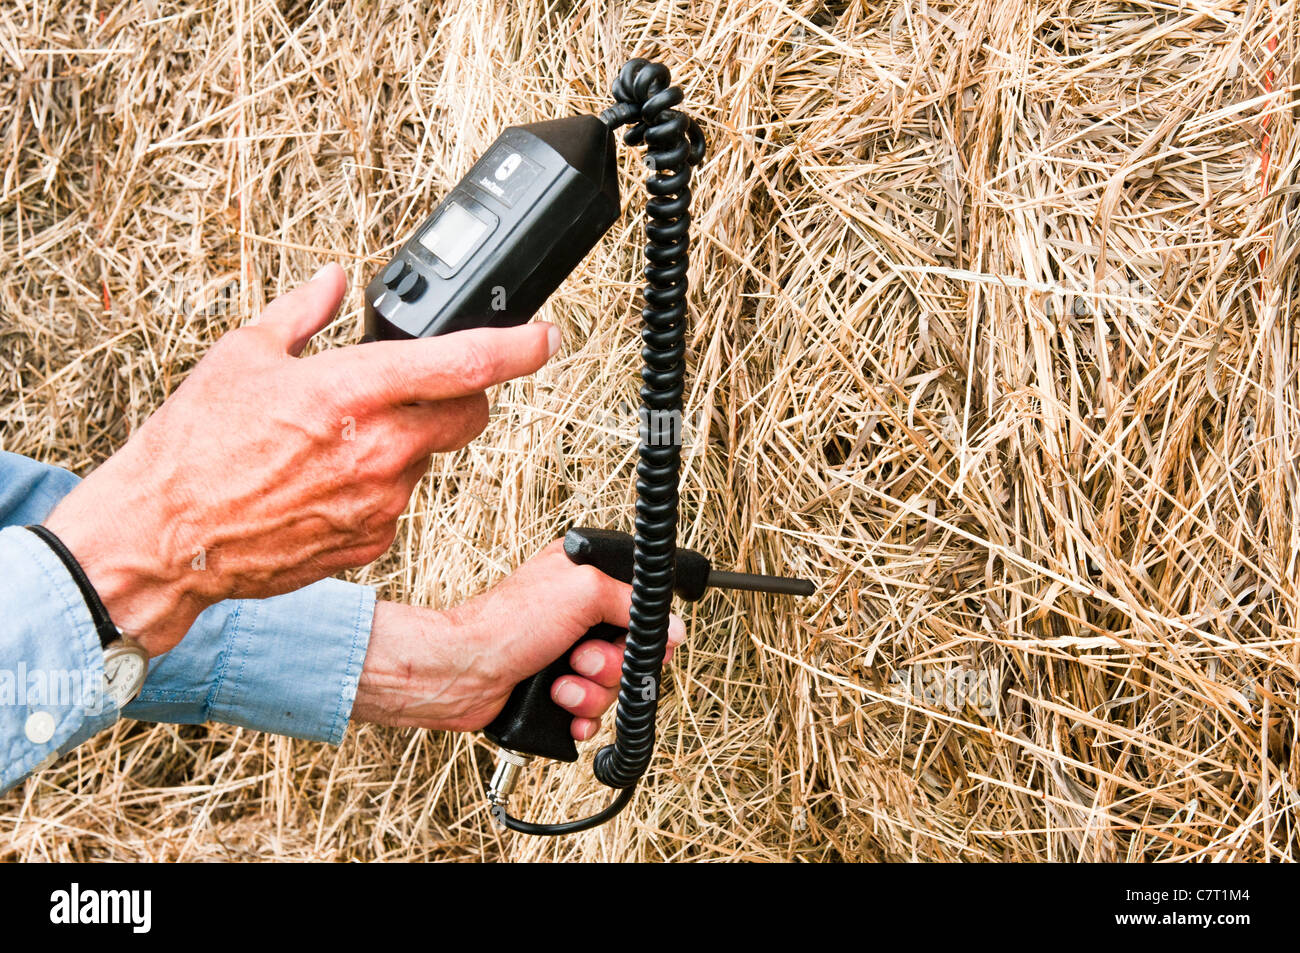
453 235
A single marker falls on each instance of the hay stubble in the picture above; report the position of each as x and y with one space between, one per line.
993 337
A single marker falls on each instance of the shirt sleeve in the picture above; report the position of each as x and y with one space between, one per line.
288 664
51 662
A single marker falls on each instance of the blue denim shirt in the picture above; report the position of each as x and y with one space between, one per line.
288 665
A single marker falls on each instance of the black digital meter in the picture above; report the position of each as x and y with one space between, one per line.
505 237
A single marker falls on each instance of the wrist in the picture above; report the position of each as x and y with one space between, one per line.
423 668
142 585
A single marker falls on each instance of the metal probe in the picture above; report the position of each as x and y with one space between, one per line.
754 582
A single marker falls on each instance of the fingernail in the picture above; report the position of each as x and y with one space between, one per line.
552 340
589 730
567 695
319 271
676 630
589 662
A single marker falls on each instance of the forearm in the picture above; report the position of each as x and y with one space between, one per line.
287 664
427 668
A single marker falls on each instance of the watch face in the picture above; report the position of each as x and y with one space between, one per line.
125 668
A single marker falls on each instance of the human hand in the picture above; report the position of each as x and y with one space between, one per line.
454 669
265 471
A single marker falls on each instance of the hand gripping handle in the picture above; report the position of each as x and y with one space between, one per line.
531 723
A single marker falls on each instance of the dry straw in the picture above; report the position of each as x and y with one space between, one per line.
993 337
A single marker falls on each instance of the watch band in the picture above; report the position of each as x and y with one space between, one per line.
108 632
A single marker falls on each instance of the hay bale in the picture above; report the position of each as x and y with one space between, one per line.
993 336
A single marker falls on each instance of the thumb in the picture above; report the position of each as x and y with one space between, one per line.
297 315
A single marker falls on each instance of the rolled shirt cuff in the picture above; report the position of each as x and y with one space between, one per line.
51 685
287 665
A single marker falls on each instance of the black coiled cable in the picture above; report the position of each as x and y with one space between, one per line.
674 143
645 100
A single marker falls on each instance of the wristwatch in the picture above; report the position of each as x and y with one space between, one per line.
126 663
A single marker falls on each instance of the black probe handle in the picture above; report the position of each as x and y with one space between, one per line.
531 723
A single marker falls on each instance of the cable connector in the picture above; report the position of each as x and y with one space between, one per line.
509 766
506 775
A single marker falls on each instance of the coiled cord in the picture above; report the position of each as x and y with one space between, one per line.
645 100
674 143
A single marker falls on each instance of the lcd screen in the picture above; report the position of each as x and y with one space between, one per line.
453 234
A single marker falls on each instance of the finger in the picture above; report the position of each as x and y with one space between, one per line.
294 317
676 635
676 632
611 599
453 365
584 729
599 661
602 662
605 598
581 696
444 425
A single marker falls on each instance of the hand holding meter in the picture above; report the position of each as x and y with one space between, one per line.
490 255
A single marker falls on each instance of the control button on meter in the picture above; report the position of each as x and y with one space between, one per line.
394 272
410 287
507 166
